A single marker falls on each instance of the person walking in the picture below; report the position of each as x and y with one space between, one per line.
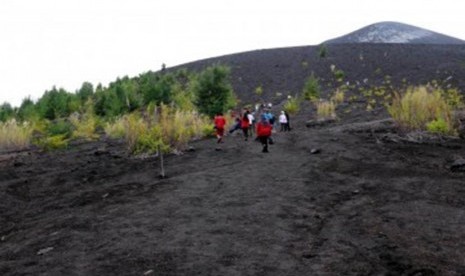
245 124
251 122
283 121
219 122
288 124
264 132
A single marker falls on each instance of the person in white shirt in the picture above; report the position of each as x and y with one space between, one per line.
283 121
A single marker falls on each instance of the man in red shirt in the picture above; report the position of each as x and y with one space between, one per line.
220 122
264 132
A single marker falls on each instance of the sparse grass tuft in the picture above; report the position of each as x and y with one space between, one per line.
338 96
326 110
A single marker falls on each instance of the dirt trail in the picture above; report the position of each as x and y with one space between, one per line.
362 206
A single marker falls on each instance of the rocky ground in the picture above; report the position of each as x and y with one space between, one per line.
352 197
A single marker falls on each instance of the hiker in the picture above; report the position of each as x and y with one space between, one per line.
270 117
236 126
288 124
264 132
219 122
251 122
283 121
245 124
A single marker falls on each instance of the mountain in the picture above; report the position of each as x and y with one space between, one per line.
395 32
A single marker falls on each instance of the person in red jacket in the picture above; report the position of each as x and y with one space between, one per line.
264 132
245 124
219 122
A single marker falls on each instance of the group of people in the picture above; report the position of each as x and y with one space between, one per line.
247 123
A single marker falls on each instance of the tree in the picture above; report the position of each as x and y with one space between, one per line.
213 91
27 110
6 112
85 92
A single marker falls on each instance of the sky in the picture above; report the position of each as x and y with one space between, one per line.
63 43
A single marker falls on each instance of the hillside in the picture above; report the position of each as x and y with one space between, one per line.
285 70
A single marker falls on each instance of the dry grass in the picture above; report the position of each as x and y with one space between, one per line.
14 135
326 110
420 106
162 127
338 97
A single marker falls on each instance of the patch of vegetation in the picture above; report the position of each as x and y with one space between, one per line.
420 107
326 110
259 90
312 88
322 51
15 135
292 105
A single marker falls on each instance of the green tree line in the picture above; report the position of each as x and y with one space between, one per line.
209 91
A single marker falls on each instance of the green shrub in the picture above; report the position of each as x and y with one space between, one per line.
53 142
439 126
312 89
59 127
418 107
322 51
259 90
292 105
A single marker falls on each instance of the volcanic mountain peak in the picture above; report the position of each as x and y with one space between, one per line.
395 32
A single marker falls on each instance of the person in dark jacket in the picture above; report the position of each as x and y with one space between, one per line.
264 132
245 124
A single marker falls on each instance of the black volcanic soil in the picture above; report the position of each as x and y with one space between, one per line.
282 72
369 203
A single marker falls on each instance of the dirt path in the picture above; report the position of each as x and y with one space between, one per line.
362 206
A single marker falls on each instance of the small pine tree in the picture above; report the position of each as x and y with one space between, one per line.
312 88
213 90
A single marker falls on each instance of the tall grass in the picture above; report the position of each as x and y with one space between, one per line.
163 127
326 110
419 107
15 135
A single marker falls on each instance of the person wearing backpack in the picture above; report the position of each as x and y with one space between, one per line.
264 132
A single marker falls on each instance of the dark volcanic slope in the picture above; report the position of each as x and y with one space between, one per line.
285 70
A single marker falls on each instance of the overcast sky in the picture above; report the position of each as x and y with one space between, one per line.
66 42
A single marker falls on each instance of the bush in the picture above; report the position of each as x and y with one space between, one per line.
312 88
85 124
439 126
326 110
59 127
165 127
53 142
322 51
14 135
419 107
115 129
292 106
